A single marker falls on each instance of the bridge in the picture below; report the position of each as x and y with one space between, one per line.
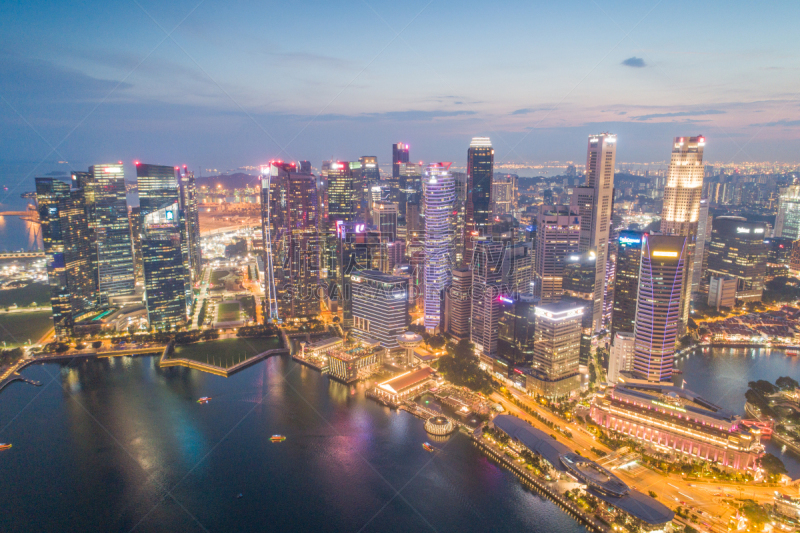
30 215
766 427
18 255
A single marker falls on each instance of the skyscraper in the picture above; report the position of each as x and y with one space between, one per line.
737 249
370 172
557 235
356 247
380 307
399 156
600 160
681 211
459 304
504 195
385 220
135 220
480 167
68 251
342 194
516 329
661 284
578 285
701 247
439 193
191 216
626 285
556 349
787 223
487 273
167 274
107 209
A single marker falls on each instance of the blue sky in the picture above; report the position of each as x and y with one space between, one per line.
239 83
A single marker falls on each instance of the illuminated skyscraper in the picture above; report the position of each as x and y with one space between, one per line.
487 273
661 282
557 235
68 251
626 285
787 223
369 168
480 167
701 249
380 307
191 217
167 274
399 156
596 224
439 194
737 249
681 211
107 209
578 285
385 220
342 194
459 304
556 349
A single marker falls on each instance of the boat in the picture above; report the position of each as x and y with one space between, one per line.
277 438
238 496
204 399
677 371
4 446
793 354
428 447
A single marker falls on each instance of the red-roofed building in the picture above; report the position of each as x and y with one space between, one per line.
407 384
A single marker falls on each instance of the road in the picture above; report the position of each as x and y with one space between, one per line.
672 490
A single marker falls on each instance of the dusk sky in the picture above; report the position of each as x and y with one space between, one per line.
239 83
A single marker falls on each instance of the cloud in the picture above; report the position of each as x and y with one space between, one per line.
411 115
779 123
681 114
528 110
635 62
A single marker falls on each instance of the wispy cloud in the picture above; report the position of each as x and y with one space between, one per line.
411 115
635 62
529 110
779 123
680 114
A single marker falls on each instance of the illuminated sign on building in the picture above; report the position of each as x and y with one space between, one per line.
629 240
743 230
661 253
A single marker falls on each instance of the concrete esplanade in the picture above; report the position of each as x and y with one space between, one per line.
409 341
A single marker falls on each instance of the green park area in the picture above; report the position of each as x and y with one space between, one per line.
17 328
217 276
228 312
38 293
225 353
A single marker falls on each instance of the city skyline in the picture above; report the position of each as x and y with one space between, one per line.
634 83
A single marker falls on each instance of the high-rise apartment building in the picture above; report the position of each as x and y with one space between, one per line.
439 193
600 161
399 156
556 349
289 218
380 307
487 275
626 283
787 223
557 235
165 259
480 167
458 302
737 249
661 289
107 209
191 216
68 252
680 214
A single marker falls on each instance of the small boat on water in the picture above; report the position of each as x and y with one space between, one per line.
277 438
677 371
4 446
793 354
204 399
428 447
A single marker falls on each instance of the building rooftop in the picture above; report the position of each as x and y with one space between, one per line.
377 275
535 440
639 506
408 379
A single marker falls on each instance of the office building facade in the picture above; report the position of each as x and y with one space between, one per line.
787 223
556 349
661 289
680 214
380 307
626 282
487 265
438 196
458 304
737 249
557 235
480 168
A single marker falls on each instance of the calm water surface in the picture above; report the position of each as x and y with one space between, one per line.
118 444
721 376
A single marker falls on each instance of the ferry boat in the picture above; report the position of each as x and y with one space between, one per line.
4 446
793 353
204 399
677 371
277 438
428 447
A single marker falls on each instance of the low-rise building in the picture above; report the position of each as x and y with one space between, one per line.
678 422
405 385
352 361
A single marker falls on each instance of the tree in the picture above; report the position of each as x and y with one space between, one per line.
762 386
787 383
772 466
652 494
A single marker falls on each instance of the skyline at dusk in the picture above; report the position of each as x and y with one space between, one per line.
219 86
